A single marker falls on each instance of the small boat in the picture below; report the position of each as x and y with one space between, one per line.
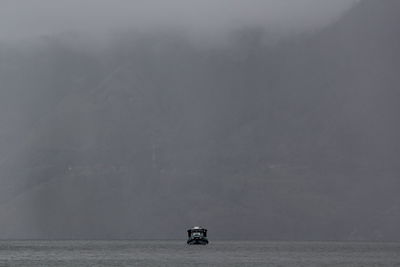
197 236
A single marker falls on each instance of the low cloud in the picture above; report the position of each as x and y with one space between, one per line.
21 19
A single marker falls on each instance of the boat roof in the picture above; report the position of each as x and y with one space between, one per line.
197 228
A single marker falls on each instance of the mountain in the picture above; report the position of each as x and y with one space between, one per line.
293 140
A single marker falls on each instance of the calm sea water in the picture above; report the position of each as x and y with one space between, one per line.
177 253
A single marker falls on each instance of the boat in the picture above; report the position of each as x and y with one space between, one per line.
197 236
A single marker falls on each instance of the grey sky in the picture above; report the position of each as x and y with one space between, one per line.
21 19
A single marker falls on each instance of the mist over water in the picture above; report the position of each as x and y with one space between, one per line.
260 120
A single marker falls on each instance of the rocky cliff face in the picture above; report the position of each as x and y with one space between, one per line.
296 140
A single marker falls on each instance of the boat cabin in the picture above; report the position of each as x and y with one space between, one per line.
197 232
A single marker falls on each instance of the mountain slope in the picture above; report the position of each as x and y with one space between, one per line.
292 141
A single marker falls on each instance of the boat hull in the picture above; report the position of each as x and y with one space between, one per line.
197 241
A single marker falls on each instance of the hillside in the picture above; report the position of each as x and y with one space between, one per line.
297 139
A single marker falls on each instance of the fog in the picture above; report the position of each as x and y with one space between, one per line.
20 19
116 123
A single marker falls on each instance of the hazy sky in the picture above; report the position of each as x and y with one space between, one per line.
21 19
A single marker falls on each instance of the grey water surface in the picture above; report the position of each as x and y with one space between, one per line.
177 253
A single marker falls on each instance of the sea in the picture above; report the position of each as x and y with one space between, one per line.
177 253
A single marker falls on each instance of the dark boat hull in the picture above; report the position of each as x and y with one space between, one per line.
197 241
